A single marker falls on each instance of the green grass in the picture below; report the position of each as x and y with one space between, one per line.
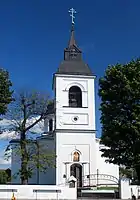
107 188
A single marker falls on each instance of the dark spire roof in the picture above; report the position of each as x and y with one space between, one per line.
73 63
72 41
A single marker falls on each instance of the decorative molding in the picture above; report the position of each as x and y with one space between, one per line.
83 84
83 118
76 83
75 131
75 76
74 107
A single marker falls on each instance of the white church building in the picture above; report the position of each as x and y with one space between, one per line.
70 129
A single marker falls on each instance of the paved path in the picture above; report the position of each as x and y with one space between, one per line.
68 199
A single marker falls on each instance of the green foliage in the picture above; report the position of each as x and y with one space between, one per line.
125 172
120 114
4 177
5 93
129 173
107 188
28 110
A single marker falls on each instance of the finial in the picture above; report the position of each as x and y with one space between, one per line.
72 11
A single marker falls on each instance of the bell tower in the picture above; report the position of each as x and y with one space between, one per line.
74 114
74 90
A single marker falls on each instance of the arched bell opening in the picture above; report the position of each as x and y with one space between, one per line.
75 97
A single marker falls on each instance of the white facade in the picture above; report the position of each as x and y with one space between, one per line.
65 114
72 136
70 130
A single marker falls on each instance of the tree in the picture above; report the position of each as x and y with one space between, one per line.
3 177
128 173
26 112
5 93
120 114
124 172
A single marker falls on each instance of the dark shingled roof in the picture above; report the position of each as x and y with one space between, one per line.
73 63
74 68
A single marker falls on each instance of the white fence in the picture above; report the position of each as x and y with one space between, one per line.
127 190
35 192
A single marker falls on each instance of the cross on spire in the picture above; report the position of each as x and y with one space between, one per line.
72 11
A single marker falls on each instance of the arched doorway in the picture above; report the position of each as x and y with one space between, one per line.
76 171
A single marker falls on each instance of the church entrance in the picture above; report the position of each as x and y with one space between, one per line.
76 171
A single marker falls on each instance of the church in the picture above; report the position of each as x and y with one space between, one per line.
70 129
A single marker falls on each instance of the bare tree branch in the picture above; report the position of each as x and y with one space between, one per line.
26 107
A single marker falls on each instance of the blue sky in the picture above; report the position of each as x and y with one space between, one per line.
35 32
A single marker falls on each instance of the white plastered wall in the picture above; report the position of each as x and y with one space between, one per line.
64 113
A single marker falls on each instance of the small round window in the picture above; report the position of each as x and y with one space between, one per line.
75 118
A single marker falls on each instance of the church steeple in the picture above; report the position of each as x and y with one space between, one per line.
72 41
73 62
72 52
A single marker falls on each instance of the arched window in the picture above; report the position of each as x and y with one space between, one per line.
76 157
50 125
75 97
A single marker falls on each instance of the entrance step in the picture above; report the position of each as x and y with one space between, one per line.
95 193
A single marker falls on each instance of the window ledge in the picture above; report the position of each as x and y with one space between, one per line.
73 107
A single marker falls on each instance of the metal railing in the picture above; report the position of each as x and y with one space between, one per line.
97 179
